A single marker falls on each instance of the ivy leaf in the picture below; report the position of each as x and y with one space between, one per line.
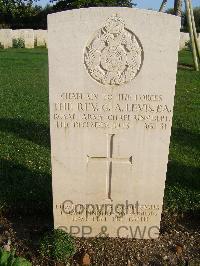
4 256
21 262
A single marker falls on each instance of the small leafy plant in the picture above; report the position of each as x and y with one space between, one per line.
18 43
35 43
57 245
188 45
8 259
1 46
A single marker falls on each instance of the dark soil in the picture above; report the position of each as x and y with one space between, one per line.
178 244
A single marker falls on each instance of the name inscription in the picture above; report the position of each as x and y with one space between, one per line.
111 111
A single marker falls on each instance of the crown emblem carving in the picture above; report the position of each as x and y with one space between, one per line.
114 55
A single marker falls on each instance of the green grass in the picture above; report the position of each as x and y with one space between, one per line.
25 181
183 176
185 58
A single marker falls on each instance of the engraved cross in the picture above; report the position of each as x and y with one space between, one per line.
109 159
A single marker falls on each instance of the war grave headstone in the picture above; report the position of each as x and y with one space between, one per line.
112 74
28 36
6 38
41 37
15 34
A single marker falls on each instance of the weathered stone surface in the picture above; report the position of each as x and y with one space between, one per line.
28 36
112 74
15 34
41 37
184 38
6 38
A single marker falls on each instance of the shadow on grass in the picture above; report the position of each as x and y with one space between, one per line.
182 189
182 193
185 137
186 66
183 175
29 130
23 191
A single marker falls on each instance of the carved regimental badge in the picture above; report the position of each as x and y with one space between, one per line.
114 56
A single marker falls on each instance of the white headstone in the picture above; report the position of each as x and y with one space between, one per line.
6 38
15 34
112 74
41 37
184 39
28 36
